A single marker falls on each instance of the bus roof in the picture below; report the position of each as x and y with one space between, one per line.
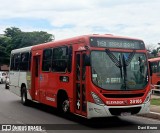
77 39
21 50
154 59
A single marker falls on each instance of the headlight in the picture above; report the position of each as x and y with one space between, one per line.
96 99
148 97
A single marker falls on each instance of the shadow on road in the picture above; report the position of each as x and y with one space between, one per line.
94 123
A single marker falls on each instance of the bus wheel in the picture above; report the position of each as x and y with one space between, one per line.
65 106
24 99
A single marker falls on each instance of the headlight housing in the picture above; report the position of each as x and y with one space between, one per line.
96 99
148 97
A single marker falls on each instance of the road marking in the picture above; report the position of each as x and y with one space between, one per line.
155 113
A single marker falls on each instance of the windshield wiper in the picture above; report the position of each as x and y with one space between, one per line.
113 58
121 66
130 57
121 63
124 72
116 61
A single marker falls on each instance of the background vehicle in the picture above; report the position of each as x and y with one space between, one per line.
91 75
3 77
155 66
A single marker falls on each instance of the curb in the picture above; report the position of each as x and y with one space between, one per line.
153 115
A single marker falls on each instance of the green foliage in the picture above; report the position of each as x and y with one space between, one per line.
154 52
12 32
155 101
4 55
15 38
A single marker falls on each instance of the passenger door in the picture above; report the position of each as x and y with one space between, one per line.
36 77
80 84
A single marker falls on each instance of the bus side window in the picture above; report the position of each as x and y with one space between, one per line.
154 67
47 58
158 67
30 57
17 59
25 61
60 57
12 62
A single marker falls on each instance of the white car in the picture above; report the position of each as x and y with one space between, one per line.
3 76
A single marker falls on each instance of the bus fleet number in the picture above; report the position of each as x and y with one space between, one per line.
135 101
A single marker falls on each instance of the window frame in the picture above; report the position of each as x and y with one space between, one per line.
67 54
28 61
12 61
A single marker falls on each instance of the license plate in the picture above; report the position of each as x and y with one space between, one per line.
125 113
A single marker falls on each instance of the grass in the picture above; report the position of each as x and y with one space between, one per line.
155 101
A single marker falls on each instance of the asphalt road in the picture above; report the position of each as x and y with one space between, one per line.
13 112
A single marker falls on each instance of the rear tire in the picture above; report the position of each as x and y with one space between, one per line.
6 87
24 99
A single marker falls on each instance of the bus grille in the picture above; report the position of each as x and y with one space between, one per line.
123 95
118 111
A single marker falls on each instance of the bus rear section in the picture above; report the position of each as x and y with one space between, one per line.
19 74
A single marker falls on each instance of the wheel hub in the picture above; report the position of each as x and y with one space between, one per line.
65 105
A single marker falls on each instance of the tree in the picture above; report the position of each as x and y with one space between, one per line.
15 38
4 55
154 52
12 32
150 47
21 39
33 38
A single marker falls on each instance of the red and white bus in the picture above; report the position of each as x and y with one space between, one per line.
155 66
90 75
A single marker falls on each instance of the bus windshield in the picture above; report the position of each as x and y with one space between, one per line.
119 70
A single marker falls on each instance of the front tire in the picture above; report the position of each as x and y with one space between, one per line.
63 105
24 99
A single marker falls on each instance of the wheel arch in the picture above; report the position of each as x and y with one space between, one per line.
62 93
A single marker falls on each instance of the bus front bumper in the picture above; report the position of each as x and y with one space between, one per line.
94 110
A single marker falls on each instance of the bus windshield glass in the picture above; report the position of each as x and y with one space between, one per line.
119 70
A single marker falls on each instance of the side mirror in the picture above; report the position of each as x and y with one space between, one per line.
150 68
87 61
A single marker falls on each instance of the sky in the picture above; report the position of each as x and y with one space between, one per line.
68 18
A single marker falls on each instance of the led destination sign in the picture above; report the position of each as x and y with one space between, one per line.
116 43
